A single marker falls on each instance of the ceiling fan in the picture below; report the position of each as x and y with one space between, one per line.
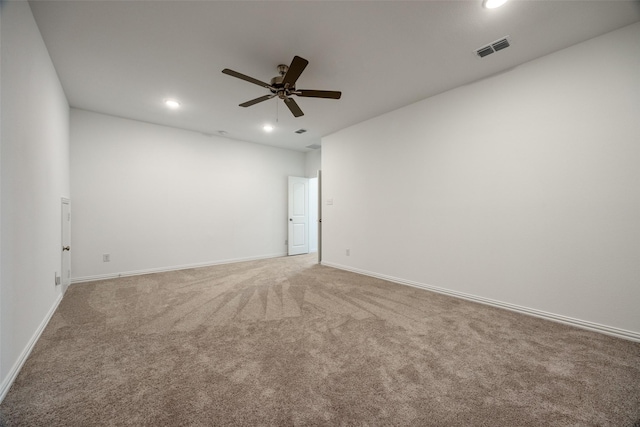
284 85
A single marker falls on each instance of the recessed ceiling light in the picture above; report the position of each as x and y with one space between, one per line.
172 103
492 4
267 128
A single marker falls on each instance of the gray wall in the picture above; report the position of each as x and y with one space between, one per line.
34 177
522 188
157 198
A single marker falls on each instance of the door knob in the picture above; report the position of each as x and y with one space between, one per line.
66 248
290 219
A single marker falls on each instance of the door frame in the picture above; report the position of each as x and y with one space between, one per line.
65 238
319 216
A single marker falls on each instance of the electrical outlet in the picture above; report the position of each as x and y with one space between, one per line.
348 252
286 242
57 278
106 258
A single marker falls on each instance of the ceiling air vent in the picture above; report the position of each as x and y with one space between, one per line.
500 44
301 131
497 45
482 52
313 146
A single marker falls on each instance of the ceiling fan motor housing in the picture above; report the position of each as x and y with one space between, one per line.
277 87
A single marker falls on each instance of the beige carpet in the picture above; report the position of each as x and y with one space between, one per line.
286 342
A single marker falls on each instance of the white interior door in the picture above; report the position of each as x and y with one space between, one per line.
313 214
66 244
298 238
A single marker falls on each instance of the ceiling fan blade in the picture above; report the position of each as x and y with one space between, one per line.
331 94
245 78
255 101
295 69
293 106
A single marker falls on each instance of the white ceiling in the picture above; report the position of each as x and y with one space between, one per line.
124 57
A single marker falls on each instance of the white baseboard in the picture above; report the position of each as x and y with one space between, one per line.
86 279
596 327
15 369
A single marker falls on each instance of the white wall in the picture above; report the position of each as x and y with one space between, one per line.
313 163
521 188
157 198
2 380
34 177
